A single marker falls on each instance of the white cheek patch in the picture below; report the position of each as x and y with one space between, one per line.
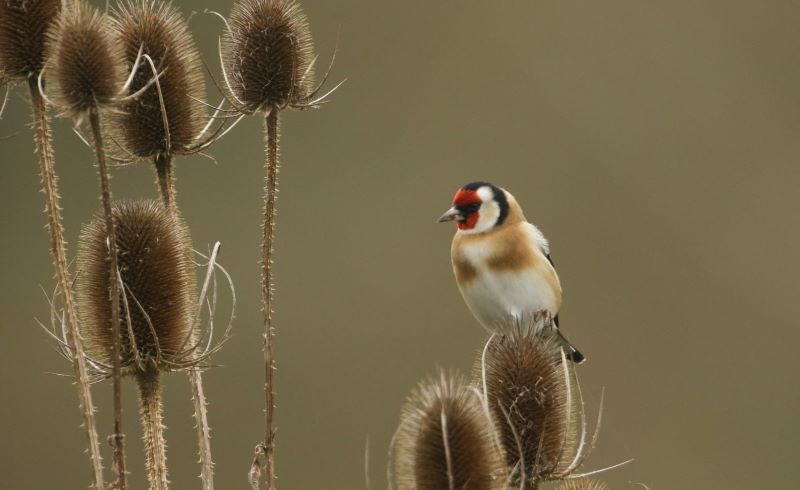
489 213
486 194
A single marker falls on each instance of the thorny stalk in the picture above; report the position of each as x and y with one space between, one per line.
166 181
166 185
117 439
153 427
267 291
203 430
199 397
59 256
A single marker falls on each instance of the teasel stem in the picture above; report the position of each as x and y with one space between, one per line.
155 447
166 180
203 430
267 292
117 439
59 255
166 185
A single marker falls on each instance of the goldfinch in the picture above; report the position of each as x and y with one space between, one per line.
501 262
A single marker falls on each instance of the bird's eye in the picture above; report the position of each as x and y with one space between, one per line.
474 207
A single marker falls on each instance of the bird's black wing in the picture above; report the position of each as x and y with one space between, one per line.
555 318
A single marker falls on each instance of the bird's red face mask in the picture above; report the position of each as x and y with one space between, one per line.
465 210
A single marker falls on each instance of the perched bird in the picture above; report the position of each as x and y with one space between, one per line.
501 262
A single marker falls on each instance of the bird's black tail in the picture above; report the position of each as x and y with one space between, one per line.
571 352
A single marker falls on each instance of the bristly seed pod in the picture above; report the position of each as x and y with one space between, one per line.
526 390
158 303
155 29
582 484
85 63
23 28
446 440
267 54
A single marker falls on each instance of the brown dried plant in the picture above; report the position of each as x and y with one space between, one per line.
86 71
526 392
266 53
167 116
582 484
446 440
23 28
163 119
158 303
536 401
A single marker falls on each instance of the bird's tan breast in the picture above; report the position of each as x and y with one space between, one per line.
504 255
507 249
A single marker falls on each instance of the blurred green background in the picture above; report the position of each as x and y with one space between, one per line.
656 145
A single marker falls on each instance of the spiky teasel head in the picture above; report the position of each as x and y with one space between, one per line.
523 379
267 54
84 62
446 440
158 300
582 484
23 30
166 117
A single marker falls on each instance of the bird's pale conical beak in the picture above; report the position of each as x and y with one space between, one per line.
450 215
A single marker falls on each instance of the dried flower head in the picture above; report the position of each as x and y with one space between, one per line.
86 64
267 54
446 440
582 484
23 28
166 117
526 389
157 302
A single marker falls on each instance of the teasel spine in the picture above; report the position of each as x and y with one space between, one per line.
582 484
58 252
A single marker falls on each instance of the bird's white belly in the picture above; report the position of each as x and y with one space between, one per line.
497 297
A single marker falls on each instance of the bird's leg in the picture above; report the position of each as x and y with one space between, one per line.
546 317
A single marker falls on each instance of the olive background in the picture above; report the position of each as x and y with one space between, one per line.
655 144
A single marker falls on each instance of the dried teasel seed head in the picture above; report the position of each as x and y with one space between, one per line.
582 484
23 29
84 62
156 29
267 53
158 304
526 389
446 440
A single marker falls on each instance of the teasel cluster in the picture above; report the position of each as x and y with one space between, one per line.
73 58
163 116
167 116
157 274
162 326
23 39
267 60
520 422
447 440
85 72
